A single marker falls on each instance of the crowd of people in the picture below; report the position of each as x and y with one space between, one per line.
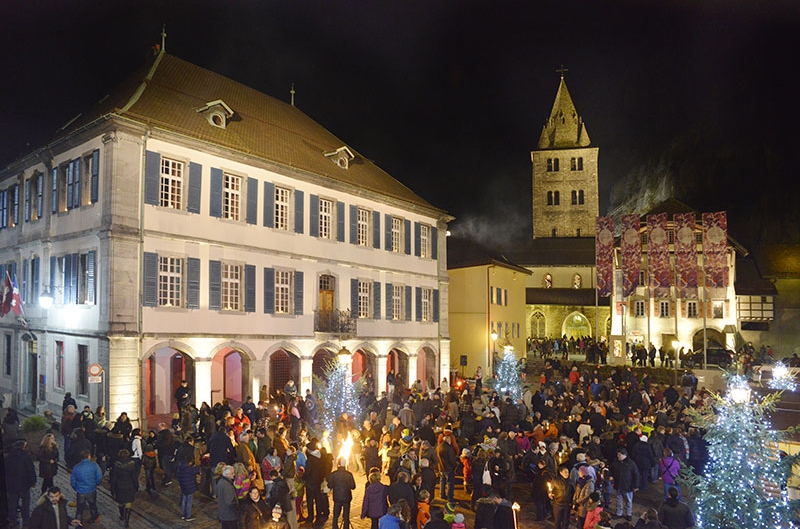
577 446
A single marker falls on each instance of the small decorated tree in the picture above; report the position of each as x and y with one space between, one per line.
336 391
746 472
509 379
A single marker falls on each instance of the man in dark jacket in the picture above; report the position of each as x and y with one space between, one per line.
448 460
227 505
20 478
220 448
561 495
314 476
674 513
625 478
341 482
52 504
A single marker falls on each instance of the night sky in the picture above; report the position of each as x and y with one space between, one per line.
448 97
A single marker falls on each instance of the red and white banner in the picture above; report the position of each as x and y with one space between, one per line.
631 254
715 249
658 268
685 255
604 255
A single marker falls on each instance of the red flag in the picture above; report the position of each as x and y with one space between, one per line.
8 290
16 301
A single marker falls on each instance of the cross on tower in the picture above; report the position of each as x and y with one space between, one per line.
562 71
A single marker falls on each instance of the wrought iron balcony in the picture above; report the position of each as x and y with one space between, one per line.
334 321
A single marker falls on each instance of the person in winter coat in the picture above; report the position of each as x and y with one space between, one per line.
227 505
314 476
668 469
149 465
255 511
20 479
341 482
392 519
220 448
675 514
124 484
583 491
642 455
187 479
52 504
85 478
625 477
593 512
375 503
448 461
561 495
48 460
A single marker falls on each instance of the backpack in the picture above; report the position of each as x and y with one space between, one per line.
149 457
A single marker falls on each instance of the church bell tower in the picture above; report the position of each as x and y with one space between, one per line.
565 194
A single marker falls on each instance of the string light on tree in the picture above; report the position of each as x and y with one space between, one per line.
782 378
741 485
336 391
508 376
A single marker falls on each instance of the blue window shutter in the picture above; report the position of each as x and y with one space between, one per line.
150 294
214 285
36 268
53 266
3 272
152 172
387 232
340 221
90 275
74 279
434 243
22 283
376 230
418 303
54 198
70 186
269 204
389 301
249 288
408 303
28 200
353 224
354 298
269 291
417 239
40 195
376 305
313 214
407 231
298 293
76 182
195 187
251 217
215 203
95 175
436 305
193 283
299 211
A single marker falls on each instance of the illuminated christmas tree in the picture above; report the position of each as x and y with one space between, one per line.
336 391
782 378
745 475
509 379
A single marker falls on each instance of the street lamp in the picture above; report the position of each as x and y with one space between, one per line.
739 390
344 355
46 299
494 342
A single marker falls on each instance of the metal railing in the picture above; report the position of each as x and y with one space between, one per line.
334 321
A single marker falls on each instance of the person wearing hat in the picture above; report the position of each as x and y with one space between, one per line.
342 483
277 521
625 477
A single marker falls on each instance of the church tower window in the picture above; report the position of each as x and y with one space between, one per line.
580 197
556 198
549 198
548 279
574 198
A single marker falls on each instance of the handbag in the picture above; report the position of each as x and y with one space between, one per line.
487 476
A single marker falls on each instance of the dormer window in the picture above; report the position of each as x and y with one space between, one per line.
217 113
341 157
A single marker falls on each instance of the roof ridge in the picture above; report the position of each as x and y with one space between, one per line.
147 78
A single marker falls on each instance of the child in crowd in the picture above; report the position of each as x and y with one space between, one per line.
458 521
423 508
187 479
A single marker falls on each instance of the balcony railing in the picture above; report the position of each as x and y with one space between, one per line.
334 321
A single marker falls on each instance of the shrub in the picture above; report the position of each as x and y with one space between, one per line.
35 423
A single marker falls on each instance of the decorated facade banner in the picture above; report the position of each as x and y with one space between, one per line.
658 266
715 246
631 254
685 255
604 254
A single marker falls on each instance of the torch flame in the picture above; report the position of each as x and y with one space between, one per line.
344 451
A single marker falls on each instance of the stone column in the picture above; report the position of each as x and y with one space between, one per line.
202 381
411 376
258 377
380 376
124 378
306 372
444 360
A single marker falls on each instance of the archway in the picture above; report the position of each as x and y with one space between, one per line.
319 365
714 340
283 367
427 368
164 370
230 375
576 325
364 365
398 362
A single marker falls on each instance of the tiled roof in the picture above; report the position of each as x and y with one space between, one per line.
167 93
464 253
749 281
780 261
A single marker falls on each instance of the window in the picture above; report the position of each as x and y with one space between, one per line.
325 218
499 297
424 241
548 279
60 365
552 164
363 224
556 198
577 281
505 298
691 309
7 354
232 197
170 186
549 198
427 304
9 210
3 209
580 197
397 234
282 208
578 232
83 369
74 276
491 295
554 233
365 299
231 290
639 308
283 292
398 302
642 278
170 281
718 309
663 309
574 197
576 164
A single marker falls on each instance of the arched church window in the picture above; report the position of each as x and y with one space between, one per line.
556 198
549 165
576 281
574 198
580 197
555 164
549 198
548 279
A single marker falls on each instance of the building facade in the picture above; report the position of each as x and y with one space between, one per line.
191 227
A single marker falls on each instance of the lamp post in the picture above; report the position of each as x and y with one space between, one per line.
46 299
494 350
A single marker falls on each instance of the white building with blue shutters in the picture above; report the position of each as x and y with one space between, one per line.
191 227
